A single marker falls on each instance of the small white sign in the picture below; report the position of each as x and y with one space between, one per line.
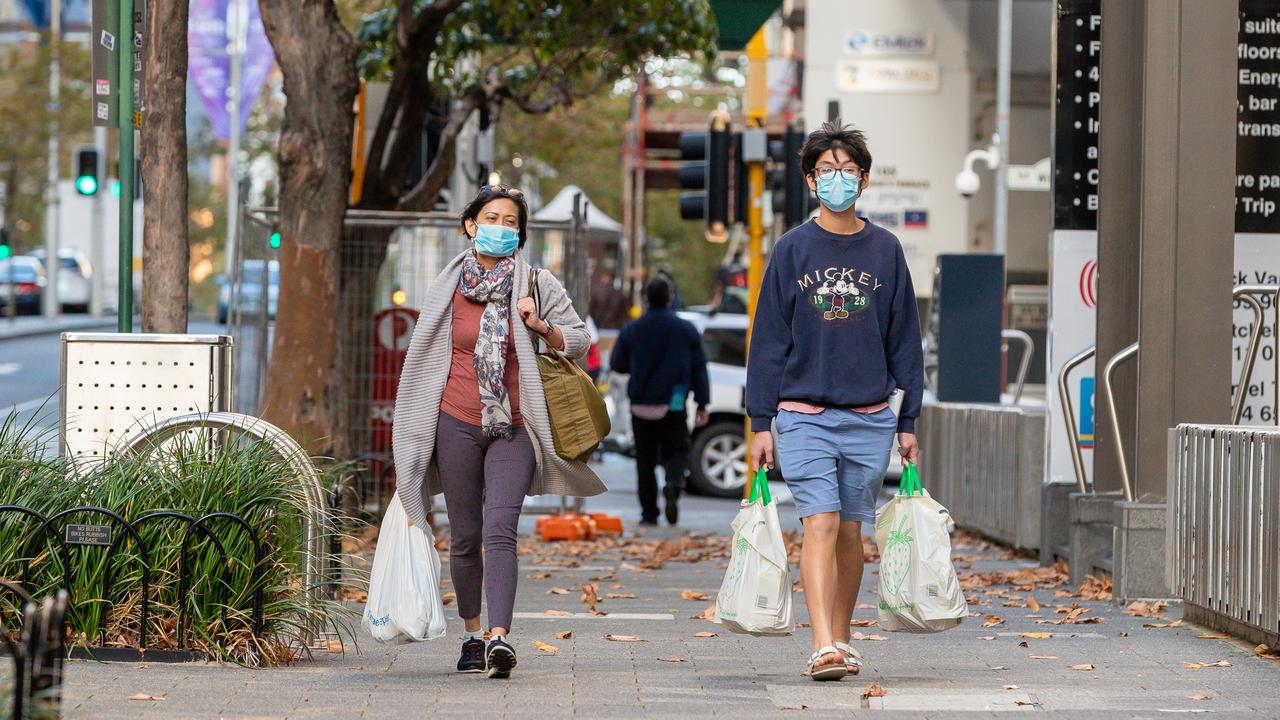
1030 177
888 76
880 42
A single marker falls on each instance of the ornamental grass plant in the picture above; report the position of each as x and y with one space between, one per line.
246 478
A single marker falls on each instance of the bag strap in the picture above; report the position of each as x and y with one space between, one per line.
760 487
534 291
909 485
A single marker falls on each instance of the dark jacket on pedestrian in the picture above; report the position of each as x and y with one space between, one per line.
662 352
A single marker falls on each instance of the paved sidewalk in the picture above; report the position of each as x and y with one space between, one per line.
31 325
971 671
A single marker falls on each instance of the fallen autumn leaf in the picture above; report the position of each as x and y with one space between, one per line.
705 634
992 621
564 634
549 649
1036 635
672 660
144 696
873 690
1084 667
691 595
623 638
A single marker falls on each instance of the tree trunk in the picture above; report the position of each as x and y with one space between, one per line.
165 252
316 55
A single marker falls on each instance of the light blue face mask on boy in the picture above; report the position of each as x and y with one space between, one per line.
496 240
837 192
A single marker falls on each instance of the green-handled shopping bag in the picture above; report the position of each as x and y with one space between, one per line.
918 587
755 597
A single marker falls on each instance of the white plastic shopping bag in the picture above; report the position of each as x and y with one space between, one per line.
919 591
755 597
404 588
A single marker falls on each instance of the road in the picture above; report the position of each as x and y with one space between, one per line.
30 371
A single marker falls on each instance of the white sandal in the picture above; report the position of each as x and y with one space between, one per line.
852 659
818 670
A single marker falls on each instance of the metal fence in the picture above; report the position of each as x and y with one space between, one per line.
986 464
389 260
1223 530
37 651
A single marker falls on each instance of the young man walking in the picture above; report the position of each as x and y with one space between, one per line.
664 355
835 334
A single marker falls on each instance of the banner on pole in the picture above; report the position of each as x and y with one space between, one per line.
210 62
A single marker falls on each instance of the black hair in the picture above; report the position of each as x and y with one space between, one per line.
834 135
488 194
658 292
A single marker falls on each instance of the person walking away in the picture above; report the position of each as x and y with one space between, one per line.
835 334
471 417
609 306
664 355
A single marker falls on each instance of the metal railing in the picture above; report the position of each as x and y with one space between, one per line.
986 464
1109 396
1248 294
315 570
1069 414
37 650
1223 548
1028 349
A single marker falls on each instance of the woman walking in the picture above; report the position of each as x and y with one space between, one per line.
471 418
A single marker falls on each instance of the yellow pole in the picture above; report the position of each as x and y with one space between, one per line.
357 150
757 109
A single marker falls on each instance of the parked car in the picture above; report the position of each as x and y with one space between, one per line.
250 299
718 455
75 278
23 279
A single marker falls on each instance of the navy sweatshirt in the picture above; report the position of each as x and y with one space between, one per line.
661 351
836 325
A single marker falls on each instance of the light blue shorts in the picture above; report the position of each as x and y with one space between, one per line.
835 460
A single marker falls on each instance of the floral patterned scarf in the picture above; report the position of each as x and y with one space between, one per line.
492 287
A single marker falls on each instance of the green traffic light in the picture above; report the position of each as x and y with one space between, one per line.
274 240
115 188
86 185
5 252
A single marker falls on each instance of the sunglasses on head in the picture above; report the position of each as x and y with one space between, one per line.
502 190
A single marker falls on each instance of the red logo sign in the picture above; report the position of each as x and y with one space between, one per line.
393 328
1089 284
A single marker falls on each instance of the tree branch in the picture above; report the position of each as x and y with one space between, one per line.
423 195
404 23
428 23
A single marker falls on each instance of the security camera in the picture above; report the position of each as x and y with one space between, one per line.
967 183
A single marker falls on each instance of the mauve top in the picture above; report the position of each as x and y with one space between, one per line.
461 399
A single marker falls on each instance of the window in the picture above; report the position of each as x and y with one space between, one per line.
726 346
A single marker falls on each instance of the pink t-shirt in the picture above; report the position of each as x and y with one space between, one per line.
462 392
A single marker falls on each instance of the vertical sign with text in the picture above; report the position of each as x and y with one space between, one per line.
1257 256
1075 115
1073 247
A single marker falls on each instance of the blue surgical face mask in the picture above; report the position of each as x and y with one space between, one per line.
838 192
496 240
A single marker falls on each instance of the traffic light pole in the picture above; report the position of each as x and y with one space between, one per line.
757 109
49 298
124 39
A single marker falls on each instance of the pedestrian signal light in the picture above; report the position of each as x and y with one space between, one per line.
274 239
87 170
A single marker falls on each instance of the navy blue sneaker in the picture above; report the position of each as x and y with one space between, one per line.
472 658
501 658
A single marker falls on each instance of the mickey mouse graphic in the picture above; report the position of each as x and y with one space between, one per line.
835 298
843 291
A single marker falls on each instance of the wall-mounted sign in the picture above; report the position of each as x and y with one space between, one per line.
879 42
888 76
1075 121
1258 118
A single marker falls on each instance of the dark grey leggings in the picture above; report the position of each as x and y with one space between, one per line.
485 481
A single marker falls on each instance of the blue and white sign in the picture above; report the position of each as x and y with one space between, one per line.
880 42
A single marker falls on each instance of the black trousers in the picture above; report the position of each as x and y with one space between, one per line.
665 441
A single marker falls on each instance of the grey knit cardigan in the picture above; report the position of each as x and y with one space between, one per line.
426 370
